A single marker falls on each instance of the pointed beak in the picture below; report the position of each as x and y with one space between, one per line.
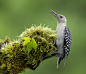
55 14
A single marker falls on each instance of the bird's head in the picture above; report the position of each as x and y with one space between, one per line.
60 18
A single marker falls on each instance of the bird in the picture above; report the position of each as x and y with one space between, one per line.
63 40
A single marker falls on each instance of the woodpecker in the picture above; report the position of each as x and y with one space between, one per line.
63 40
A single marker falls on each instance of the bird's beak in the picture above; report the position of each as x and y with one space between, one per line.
55 14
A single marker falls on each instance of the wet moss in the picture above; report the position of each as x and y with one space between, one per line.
14 56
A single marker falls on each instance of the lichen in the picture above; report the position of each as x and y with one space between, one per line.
14 56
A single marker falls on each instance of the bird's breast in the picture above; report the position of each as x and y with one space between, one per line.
60 34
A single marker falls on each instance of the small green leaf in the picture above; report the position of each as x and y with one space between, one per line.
31 45
27 40
34 44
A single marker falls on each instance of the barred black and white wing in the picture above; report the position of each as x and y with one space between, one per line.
67 41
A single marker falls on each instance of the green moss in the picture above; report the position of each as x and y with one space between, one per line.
15 58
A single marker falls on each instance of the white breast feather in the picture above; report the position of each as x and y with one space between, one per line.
60 33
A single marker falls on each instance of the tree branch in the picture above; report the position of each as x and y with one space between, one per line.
14 55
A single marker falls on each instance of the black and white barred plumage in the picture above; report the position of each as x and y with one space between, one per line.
67 41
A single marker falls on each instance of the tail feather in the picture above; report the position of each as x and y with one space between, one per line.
59 60
64 61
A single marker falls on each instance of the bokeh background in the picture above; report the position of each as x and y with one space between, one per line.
15 14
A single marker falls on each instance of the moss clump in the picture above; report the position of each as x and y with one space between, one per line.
14 56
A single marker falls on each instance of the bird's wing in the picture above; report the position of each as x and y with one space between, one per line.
67 41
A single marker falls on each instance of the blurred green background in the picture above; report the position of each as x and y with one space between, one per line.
15 14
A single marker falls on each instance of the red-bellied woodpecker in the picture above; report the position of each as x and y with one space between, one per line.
64 37
63 40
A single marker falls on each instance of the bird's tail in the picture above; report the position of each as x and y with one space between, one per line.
59 60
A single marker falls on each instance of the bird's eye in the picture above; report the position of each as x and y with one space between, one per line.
61 16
